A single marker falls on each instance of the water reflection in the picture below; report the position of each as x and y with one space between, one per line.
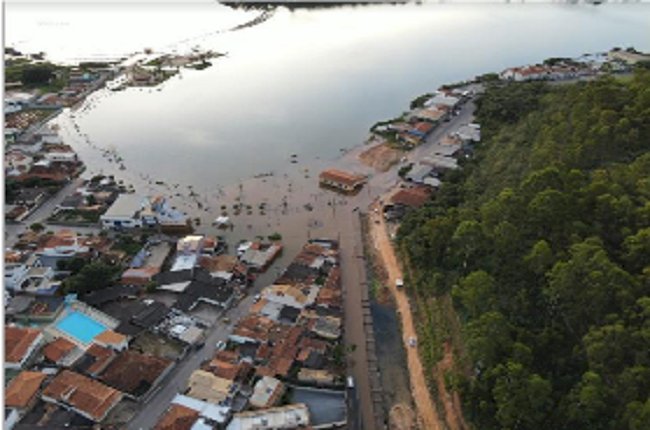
308 82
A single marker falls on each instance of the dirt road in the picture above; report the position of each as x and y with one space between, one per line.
426 410
424 405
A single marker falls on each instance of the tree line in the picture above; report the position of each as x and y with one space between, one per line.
543 242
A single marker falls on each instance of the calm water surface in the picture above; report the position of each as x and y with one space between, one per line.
308 82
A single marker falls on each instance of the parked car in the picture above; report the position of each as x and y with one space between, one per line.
413 342
257 298
226 320
221 345
350 382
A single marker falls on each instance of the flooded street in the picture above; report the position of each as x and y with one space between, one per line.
296 93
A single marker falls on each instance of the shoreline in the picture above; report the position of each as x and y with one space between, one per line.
288 201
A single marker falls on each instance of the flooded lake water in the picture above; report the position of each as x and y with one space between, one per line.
308 82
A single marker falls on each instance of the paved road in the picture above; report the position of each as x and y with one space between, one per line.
176 380
12 231
353 266
353 276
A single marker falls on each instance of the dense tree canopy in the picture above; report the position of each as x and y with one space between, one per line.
543 241
91 277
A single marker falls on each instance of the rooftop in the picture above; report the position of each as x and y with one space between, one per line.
342 177
58 349
177 417
265 391
105 295
18 342
134 373
109 337
326 407
126 205
205 386
285 417
88 397
207 410
94 360
22 389
412 197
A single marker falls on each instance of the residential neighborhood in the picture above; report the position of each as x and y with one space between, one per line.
125 309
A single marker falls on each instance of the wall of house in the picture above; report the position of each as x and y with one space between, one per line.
124 222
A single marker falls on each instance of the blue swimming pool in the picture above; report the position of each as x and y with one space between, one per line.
80 326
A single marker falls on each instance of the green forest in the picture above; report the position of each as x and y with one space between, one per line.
543 243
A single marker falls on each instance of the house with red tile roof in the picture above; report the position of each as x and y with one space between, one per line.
135 374
340 180
22 390
411 197
95 360
61 352
177 417
112 339
83 395
20 345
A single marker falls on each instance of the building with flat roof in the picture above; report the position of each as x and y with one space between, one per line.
218 414
284 417
124 212
418 173
267 392
441 99
205 386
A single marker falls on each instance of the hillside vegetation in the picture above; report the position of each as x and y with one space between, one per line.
543 242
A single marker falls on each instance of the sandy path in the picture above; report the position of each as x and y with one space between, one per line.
451 401
424 405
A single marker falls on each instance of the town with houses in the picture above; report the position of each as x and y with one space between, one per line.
96 324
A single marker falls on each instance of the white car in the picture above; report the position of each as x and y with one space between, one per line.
413 342
221 345
350 382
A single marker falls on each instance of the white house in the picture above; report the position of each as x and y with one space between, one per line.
61 156
441 99
527 73
131 211
16 273
124 212
284 417
17 101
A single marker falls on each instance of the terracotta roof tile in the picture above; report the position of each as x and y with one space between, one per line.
57 349
110 337
412 197
342 177
102 357
177 417
133 372
18 340
90 397
22 389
